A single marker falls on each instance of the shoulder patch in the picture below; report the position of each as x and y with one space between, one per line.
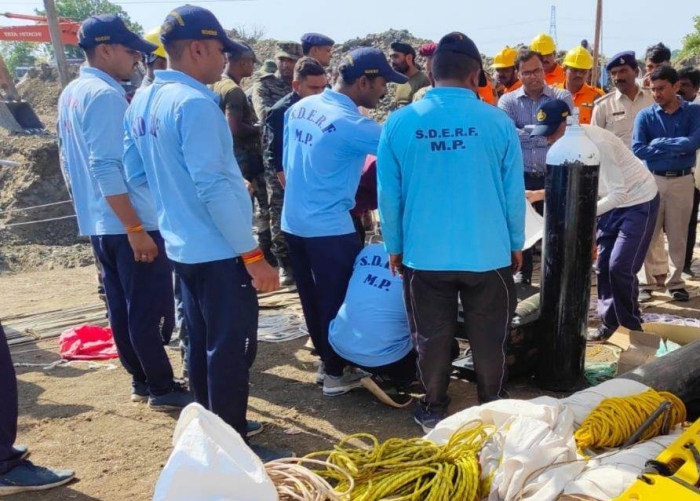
603 98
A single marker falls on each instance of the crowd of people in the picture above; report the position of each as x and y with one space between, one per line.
234 192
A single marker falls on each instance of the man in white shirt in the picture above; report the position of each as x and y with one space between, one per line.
627 210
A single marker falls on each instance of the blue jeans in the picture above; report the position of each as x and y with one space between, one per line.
221 316
140 304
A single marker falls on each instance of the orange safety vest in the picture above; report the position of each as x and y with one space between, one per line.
513 87
486 93
583 100
556 76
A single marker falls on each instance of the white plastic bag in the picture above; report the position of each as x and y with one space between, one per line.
211 462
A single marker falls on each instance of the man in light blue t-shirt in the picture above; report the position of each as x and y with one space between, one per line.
326 141
371 329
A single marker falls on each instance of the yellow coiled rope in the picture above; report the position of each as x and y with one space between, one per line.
411 469
615 419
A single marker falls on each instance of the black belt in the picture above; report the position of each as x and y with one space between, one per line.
674 173
535 174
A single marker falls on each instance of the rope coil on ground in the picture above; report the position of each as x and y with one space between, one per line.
616 419
410 469
294 481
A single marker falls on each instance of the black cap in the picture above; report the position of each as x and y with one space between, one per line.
461 44
190 22
403 48
549 117
110 29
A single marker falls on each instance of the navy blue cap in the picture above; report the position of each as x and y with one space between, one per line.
110 29
549 117
627 57
243 50
461 44
369 61
190 22
403 48
316 40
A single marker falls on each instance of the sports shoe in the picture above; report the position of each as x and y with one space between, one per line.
266 455
679 294
334 386
644 295
428 420
139 392
178 398
386 391
321 374
254 428
26 477
601 335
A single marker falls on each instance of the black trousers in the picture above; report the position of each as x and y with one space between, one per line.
489 301
402 372
8 408
692 229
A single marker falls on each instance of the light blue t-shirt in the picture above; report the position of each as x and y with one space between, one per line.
326 141
450 184
90 128
371 328
178 143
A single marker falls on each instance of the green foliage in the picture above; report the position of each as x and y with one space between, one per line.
691 42
17 54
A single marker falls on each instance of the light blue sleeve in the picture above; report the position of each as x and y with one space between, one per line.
103 130
134 169
389 193
514 188
366 133
205 137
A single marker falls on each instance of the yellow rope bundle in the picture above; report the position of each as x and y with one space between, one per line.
412 469
616 419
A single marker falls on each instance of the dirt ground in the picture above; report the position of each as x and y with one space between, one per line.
79 416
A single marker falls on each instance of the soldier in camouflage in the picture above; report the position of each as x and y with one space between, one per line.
266 92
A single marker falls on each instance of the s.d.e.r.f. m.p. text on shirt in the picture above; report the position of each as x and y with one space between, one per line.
667 141
90 126
522 110
326 142
178 142
451 184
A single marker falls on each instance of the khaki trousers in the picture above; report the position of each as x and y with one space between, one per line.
674 216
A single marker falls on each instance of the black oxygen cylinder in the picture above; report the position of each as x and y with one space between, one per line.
571 195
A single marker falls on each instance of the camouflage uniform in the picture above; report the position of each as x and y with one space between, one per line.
266 92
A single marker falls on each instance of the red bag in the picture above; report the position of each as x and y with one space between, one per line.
87 342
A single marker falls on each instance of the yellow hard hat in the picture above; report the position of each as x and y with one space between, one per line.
579 58
153 36
505 59
544 44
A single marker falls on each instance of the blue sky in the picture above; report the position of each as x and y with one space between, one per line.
492 25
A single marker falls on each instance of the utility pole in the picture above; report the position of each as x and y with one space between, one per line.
61 63
596 42
553 25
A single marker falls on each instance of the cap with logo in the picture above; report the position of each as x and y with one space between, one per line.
368 61
578 58
316 40
549 117
403 48
505 59
626 58
460 43
289 50
544 44
110 29
190 22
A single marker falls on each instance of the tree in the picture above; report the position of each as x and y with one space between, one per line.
17 54
691 42
80 10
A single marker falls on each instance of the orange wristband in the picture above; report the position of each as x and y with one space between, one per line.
252 260
253 256
135 229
